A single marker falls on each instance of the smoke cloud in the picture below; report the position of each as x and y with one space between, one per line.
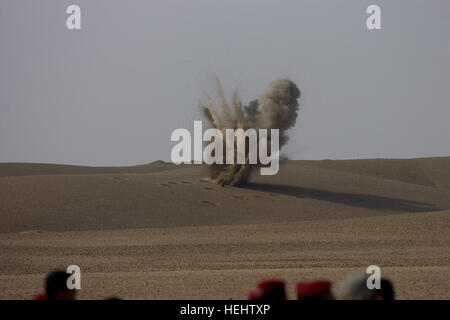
276 108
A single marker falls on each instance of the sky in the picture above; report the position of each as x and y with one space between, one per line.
113 92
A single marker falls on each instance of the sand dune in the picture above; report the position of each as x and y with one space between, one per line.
424 171
30 169
158 231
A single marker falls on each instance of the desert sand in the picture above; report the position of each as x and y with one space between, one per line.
158 231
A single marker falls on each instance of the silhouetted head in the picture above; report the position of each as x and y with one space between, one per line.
386 292
314 290
56 286
272 289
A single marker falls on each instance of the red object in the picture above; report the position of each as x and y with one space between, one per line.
270 284
272 289
41 296
318 289
254 295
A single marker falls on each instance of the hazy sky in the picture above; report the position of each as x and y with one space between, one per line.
112 92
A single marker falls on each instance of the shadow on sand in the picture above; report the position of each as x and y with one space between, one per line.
366 201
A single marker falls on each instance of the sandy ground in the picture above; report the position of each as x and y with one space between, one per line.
158 232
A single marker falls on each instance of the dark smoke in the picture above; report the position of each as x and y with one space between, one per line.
276 108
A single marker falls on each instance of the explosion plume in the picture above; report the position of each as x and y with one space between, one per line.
276 108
